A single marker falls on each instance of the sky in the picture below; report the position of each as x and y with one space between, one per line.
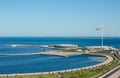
59 17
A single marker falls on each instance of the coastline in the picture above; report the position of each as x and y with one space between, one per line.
109 59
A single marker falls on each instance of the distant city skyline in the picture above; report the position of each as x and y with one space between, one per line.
77 18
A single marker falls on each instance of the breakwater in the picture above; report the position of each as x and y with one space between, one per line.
54 53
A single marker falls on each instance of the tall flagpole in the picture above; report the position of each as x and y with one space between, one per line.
102 37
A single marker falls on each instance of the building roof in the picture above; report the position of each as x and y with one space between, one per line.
100 47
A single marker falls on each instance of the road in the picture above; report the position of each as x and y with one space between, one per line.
114 73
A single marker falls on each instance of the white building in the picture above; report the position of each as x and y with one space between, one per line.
100 49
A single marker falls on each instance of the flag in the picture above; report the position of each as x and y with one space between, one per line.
98 29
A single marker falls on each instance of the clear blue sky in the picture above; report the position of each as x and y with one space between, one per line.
59 17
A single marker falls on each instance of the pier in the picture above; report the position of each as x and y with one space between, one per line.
52 53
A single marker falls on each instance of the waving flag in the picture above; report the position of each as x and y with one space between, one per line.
98 29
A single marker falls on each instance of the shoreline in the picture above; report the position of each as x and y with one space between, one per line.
109 59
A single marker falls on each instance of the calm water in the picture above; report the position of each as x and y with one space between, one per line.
42 63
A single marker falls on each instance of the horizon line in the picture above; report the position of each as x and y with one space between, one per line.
59 36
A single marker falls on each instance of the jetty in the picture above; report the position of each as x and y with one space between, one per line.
52 53
61 53
20 54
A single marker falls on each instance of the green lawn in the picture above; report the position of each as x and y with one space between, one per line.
35 76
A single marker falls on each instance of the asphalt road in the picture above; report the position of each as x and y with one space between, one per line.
115 75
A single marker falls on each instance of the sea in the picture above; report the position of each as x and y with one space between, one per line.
45 63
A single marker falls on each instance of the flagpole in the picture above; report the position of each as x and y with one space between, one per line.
102 37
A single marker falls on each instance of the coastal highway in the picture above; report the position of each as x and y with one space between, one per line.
114 73
117 53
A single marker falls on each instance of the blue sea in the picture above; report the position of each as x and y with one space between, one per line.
43 63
